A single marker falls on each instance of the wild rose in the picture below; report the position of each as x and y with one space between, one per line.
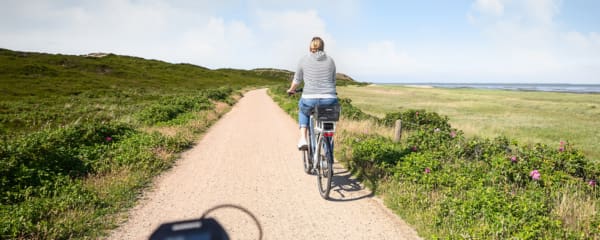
427 170
592 183
108 139
535 175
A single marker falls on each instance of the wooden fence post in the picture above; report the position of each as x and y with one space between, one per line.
398 131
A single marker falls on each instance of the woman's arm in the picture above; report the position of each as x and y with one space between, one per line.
293 87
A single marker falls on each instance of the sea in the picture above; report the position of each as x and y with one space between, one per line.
541 87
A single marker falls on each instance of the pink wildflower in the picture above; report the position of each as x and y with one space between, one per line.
562 143
417 114
561 149
108 139
453 134
592 183
427 170
414 148
513 159
535 175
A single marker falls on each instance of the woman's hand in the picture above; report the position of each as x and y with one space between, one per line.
291 91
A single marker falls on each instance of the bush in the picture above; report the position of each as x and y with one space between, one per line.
372 156
481 188
40 158
351 112
416 119
169 108
218 94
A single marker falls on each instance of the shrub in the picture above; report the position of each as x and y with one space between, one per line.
373 155
413 119
481 188
169 108
351 112
42 157
218 94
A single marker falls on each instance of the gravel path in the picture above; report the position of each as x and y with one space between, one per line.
248 158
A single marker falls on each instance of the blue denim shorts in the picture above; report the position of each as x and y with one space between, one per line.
305 105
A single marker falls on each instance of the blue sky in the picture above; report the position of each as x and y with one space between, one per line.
501 41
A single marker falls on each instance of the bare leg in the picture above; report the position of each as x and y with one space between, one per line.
303 132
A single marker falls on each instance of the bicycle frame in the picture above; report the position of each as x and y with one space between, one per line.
325 128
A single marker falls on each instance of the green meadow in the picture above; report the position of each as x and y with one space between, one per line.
530 117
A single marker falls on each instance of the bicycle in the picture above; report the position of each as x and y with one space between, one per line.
321 130
318 157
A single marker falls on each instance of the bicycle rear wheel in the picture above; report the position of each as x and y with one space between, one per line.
324 166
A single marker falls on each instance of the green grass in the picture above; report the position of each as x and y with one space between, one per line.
81 138
531 117
44 90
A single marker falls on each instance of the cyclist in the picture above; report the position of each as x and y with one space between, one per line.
317 70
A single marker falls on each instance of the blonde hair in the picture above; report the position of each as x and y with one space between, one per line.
317 44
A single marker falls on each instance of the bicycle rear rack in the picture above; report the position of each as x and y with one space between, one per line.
325 127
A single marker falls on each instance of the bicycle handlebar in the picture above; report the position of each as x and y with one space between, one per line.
296 91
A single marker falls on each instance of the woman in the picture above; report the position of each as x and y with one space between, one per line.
317 70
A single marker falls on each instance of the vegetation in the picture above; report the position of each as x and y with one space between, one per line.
530 117
80 137
453 186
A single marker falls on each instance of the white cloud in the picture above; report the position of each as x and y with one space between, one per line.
215 44
379 58
493 7
525 42
542 11
288 33
118 26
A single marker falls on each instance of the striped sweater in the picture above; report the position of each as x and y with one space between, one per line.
318 72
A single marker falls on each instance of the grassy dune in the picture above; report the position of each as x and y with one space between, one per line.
533 117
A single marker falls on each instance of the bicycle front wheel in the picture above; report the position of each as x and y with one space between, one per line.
324 166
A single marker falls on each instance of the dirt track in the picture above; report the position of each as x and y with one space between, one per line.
249 159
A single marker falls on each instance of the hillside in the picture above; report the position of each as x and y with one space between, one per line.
59 84
82 136
40 90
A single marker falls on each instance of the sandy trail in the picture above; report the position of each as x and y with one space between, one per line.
248 158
